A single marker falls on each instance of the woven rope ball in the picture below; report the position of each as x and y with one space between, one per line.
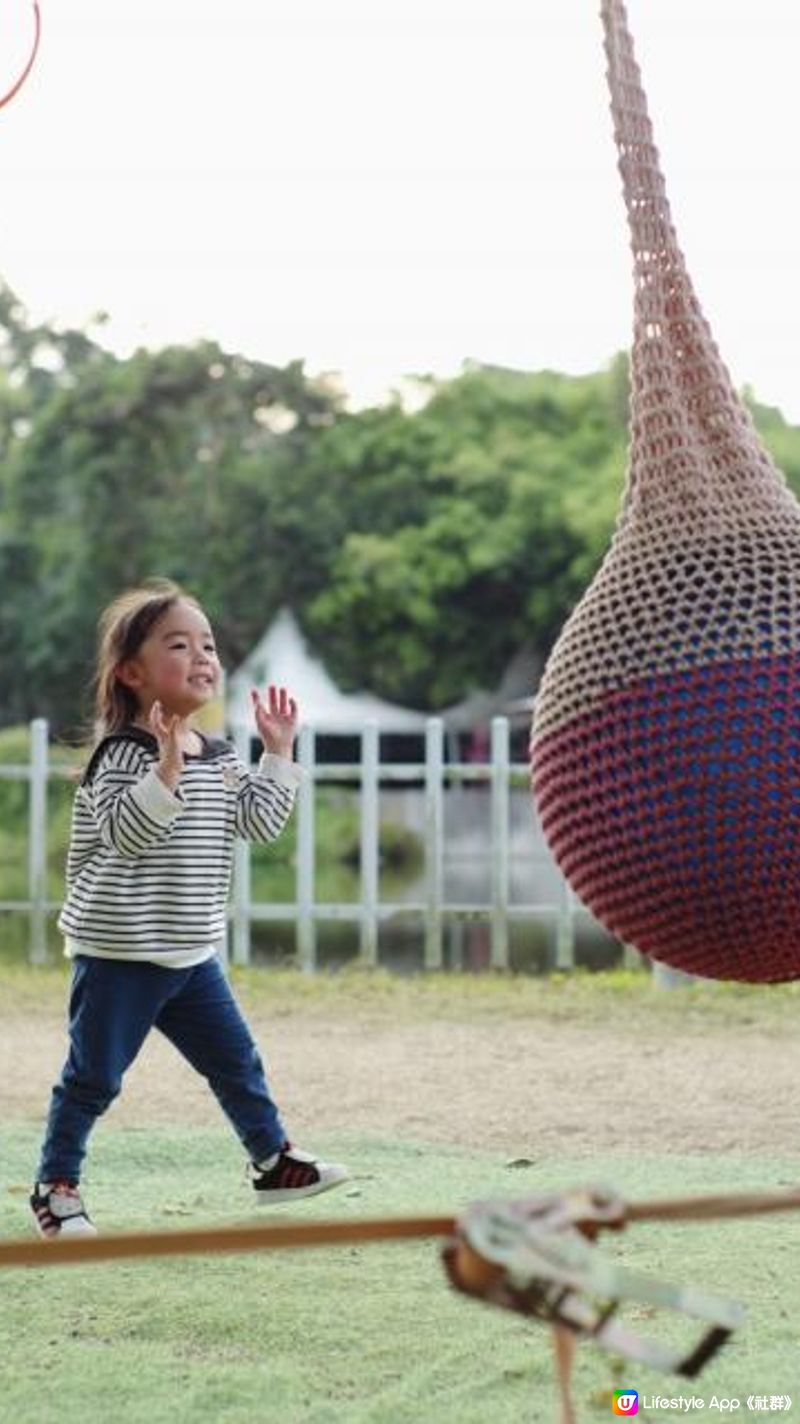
665 749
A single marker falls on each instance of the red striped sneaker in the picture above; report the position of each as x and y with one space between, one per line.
291 1174
59 1212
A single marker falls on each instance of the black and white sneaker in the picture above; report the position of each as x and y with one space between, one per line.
58 1211
291 1174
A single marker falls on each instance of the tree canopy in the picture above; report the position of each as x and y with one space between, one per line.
419 549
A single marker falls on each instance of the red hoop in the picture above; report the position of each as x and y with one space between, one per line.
6 98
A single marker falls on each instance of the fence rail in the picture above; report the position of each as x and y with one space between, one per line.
369 911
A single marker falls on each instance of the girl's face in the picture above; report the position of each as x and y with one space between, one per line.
176 665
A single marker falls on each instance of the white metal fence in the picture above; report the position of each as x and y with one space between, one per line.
369 911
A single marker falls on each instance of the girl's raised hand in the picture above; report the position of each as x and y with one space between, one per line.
167 732
277 720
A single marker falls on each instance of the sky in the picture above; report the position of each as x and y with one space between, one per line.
385 189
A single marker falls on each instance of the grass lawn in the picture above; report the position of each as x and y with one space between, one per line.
373 1334
356 1334
619 996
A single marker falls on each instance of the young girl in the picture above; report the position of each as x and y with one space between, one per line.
154 822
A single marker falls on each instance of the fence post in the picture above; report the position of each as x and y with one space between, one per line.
242 866
37 842
306 929
631 958
434 855
665 977
565 929
370 850
499 841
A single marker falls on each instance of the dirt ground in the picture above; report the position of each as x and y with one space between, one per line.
505 1083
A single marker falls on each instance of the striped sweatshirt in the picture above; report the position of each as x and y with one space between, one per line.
148 870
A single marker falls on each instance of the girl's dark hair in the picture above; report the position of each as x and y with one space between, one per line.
122 628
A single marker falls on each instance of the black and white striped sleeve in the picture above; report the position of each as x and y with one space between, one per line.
131 807
266 797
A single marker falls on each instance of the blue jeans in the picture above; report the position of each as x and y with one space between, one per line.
113 1005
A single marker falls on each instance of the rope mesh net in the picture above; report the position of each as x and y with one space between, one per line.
665 749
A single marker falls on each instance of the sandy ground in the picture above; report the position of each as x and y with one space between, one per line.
518 1087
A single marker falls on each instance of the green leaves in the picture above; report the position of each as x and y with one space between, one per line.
421 551
159 464
475 541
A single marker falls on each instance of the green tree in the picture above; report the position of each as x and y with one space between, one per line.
159 464
420 550
455 535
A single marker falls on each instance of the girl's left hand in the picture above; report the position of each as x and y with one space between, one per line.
277 720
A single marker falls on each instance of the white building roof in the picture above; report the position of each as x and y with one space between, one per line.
282 656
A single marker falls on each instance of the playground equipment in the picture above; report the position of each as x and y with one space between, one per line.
666 730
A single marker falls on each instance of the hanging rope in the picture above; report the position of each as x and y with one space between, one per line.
666 733
37 32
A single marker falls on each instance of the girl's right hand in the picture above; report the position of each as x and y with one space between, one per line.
167 732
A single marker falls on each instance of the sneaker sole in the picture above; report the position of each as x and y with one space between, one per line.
68 1230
